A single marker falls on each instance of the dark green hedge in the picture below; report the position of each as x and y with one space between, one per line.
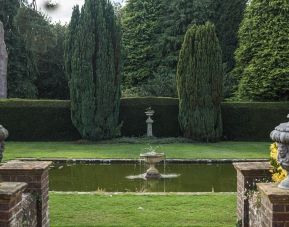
37 120
166 116
50 120
252 121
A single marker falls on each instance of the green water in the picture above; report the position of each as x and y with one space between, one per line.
112 178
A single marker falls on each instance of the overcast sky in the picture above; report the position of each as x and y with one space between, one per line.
63 12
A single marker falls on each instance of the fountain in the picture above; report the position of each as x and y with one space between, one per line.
152 158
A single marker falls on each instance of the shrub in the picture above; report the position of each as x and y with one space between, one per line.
199 83
93 61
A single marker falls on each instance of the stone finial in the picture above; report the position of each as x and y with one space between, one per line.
3 64
281 136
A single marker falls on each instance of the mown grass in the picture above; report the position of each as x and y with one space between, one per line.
133 210
238 150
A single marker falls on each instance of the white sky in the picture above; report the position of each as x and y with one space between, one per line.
64 11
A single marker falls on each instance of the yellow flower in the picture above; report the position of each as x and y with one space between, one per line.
274 151
278 174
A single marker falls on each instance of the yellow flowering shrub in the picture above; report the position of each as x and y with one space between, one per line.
278 174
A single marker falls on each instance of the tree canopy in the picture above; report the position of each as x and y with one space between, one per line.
262 67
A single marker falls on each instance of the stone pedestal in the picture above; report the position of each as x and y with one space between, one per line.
149 127
248 174
35 174
11 214
274 207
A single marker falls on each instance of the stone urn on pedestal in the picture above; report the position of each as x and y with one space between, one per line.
3 135
152 158
149 112
281 136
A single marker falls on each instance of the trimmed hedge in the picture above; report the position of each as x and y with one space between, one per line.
252 121
32 120
45 120
165 119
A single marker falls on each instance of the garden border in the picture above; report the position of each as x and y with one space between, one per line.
133 161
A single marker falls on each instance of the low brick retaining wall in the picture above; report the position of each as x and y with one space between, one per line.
30 209
248 174
260 204
272 208
11 204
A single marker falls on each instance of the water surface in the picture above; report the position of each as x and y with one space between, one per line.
112 178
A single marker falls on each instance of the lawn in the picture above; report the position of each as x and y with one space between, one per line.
133 210
228 150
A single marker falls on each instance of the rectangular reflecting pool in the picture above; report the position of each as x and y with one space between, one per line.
113 178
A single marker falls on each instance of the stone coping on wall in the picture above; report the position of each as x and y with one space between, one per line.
273 193
252 167
9 189
143 193
23 166
128 161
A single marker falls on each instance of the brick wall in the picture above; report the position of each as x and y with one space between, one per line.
248 174
35 174
273 210
11 204
29 210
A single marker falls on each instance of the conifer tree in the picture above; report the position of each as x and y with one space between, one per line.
21 67
199 83
228 16
177 17
93 66
140 26
262 59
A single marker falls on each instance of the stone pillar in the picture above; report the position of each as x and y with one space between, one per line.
274 207
35 174
149 127
3 64
248 174
11 204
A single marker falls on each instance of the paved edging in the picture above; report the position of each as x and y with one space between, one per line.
133 161
143 193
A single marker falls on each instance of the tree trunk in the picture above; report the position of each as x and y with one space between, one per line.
3 64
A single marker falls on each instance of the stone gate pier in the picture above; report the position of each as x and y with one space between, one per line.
24 194
270 205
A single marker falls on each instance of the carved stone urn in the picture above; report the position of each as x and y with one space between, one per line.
281 136
3 135
152 158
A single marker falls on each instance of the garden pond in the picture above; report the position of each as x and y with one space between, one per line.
113 178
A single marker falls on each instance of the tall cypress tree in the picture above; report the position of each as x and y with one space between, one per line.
199 82
262 59
93 65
